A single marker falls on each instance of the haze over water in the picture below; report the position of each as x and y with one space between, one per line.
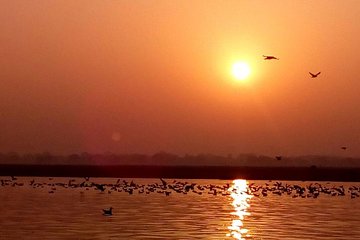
148 76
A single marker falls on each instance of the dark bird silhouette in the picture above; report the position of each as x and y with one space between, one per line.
107 212
163 182
270 58
100 187
314 75
344 148
278 158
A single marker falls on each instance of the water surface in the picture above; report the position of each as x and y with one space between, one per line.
49 211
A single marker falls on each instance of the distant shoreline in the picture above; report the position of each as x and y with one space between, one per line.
185 172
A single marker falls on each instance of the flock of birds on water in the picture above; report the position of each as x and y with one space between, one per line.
169 187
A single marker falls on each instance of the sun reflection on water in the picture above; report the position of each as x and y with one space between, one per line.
241 198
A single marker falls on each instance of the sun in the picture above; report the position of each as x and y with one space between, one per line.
240 70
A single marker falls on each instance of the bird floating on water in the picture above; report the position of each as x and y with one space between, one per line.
107 212
278 158
270 57
314 75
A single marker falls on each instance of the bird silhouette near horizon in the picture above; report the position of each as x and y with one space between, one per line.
270 57
278 158
344 148
314 75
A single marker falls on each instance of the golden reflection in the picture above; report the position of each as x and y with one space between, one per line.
241 198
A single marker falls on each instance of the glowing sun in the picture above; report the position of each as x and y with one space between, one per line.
240 70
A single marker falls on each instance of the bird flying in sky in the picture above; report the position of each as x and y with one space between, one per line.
314 75
270 57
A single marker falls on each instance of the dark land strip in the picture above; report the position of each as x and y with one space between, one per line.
185 172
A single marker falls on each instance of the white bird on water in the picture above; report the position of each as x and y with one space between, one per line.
107 212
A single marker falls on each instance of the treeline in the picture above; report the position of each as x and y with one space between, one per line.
165 158
160 158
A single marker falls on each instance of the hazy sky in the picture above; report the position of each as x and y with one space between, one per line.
144 76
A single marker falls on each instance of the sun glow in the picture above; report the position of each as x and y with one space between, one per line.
241 202
240 70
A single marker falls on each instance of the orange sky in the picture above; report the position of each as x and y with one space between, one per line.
145 76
